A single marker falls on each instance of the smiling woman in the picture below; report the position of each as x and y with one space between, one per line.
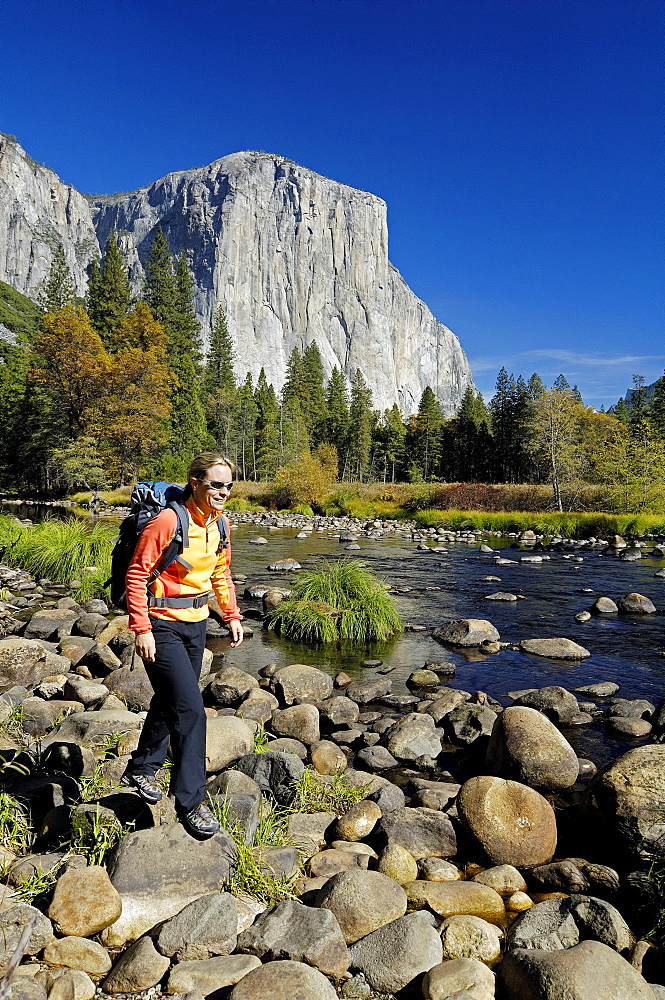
168 616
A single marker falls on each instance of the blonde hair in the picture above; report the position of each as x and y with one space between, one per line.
201 463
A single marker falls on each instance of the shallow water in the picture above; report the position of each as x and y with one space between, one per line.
434 587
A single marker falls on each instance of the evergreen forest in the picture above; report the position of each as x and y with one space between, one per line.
100 392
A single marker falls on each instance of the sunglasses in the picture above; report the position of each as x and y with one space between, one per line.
216 484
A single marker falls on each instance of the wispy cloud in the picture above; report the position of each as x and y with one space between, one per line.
570 359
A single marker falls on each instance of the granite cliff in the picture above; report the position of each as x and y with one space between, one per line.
290 255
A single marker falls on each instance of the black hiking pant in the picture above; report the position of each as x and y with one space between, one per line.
176 713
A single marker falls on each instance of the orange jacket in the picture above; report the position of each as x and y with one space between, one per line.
210 571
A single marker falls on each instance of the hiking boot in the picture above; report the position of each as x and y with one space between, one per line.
200 821
145 785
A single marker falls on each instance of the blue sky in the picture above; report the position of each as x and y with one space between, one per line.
518 143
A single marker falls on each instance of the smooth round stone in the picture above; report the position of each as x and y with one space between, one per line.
423 678
464 936
465 978
354 847
449 898
583 617
334 862
438 870
359 821
258 540
629 726
527 747
501 595
398 863
513 823
518 902
327 758
283 981
362 901
504 879
555 649
604 606
636 604
78 953
84 902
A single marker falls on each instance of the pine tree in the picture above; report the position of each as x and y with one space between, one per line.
658 408
390 438
267 429
159 287
501 412
360 433
639 406
312 394
246 416
425 435
58 290
337 418
186 327
220 386
535 386
109 295
621 412
293 381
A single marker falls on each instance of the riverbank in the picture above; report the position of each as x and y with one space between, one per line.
421 852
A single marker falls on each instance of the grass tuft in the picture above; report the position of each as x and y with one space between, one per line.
342 600
326 793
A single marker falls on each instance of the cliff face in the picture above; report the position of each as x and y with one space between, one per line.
291 256
37 211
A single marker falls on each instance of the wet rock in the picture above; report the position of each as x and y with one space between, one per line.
206 927
637 708
452 897
555 649
423 678
299 933
297 680
603 689
423 832
590 970
629 726
636 604
627 800
463 978
445 702
526 747
201 977
504 879
284 566
283 981
501 595
137 969
604 606
84 902
555 702
466 632
392 956
467 723
362 901
513 823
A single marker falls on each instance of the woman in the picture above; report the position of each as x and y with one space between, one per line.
168 617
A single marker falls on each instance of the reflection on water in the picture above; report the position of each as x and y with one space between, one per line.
434 587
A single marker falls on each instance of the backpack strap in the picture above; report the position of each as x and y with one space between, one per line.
172 552
223 534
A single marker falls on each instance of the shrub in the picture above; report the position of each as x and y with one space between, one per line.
342 600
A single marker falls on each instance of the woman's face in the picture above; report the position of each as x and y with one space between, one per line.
211 499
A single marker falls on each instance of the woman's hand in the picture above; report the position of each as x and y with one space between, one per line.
237 634
144 645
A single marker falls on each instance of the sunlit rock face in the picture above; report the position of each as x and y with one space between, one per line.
290 255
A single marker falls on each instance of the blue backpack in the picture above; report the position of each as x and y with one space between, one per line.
148 500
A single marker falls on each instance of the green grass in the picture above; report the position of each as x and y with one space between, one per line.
120 497
61 551
96 834
342 600
649 884
18 313
251 875
569 525
323 793
16 834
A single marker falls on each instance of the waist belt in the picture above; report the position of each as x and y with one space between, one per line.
178 602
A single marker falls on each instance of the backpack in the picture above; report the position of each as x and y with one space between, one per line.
148 500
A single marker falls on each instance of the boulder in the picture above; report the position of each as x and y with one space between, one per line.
45 624
359 821
391 957
13 922
92 727
159 870
463 978
362 901
464 936
208 926
60 984
84 902
636 604
413 736
327 758
604 606
299 933
504 879
466 632
587 971
201 977
230 686
627 800
365 691
555 702
78 953
467 723
137 969
339 710
526 747
555 649
297 680
513 823
449 898
274 773
131 684
227 740
398 864
26 661
298 722
283 981
423 832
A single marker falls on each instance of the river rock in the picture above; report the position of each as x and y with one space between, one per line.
636 604
526 747
627 799
299 933
636 708
398 864
45 624
297 680
284 566
339 710
137 969
327 758
13 922
513 823
274 773
504 879
208 926
332 862
369 689
603 689
459 979
629 726
449 898
78 953
230 686
555 649
227 740
466 632
359 821
201 977
362 901
588 971
308 830
604 606
84 902
445 702
468 723
555 702
559 876
298 722
26 661
438 870
423 832
284 980
413 736
90 728
547 926
160 870
392 956
60 984
464 936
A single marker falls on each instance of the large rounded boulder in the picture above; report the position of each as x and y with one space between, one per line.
525 746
